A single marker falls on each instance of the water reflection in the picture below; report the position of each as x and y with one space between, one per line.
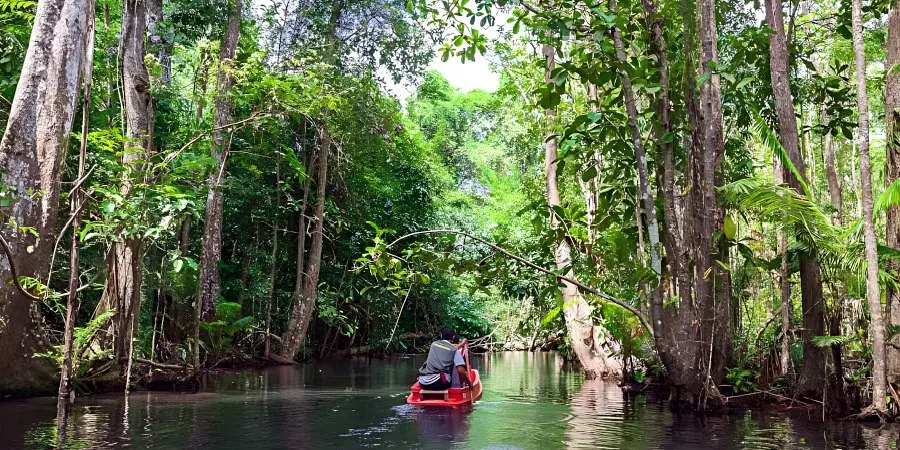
528 403
442 427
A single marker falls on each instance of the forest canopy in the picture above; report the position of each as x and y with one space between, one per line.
698 193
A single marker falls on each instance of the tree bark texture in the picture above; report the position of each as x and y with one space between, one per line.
123 285
892 126
304 304
31 152
811 373
712 324
873 288
664 141
210 283
578 313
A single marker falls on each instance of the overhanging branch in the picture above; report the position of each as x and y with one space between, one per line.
580 285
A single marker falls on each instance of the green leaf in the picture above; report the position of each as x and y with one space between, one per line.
730 228
743 83
552 314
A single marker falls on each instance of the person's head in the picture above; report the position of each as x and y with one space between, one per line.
448 334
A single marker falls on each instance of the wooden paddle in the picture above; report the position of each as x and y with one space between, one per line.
465 346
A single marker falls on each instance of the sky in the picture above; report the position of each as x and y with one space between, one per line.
465 77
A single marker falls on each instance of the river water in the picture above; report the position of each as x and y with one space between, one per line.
529 402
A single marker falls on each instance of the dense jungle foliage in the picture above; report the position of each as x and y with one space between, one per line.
700 194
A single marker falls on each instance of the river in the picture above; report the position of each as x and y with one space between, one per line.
528 403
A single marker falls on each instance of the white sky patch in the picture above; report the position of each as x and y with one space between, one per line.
466 76
469 76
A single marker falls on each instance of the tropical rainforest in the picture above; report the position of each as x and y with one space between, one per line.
698 195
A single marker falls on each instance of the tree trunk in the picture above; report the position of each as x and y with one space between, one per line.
184 236
123 285
810 381
834 192
274 266
712 283
892 126
664 141
834 186
784 282
873 288
297 296
305 303
578 313
209 281
154 16
72 301
31 152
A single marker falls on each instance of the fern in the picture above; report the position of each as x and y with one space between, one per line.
828 341
773 144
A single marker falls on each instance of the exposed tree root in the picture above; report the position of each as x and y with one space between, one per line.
872 413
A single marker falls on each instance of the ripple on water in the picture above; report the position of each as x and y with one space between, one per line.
528 403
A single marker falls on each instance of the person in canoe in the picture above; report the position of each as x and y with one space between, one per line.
445 366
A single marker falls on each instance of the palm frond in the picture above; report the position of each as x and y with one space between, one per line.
828 341
771 142
839 250
890 197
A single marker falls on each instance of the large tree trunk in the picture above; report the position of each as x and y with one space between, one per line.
892 126
810 381
209 281
712 326
31 151
123 285
305 303
873 288
578 313
695 336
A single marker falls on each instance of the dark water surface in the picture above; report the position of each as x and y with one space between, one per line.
528 403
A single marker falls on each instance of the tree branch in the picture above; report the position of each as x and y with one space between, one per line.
12 269
534 266
204 133
160 365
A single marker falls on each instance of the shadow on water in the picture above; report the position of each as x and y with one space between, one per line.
529 402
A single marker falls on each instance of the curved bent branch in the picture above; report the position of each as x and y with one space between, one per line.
580 285
12 268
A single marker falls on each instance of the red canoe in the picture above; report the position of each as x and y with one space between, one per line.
448 397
